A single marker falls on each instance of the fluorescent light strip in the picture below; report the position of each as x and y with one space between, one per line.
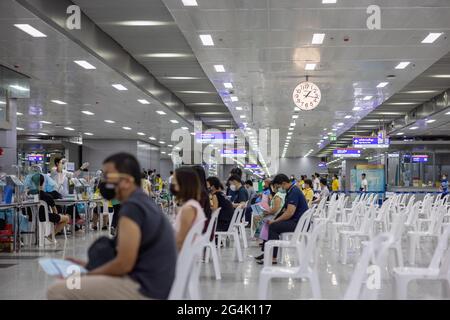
430 121
30 30
126 128
141 134
69 129
45 122
174 121
20 88
110 121
382 84
84 64
328 1
58 102
152 138
89 113
228 85
88 134
206 39
402 65
20 129
367 98
185 128
160 112
318 38
234 99
190 3
2 102
239 108
432 37
143 101
310 66
119 87
19 114
219 68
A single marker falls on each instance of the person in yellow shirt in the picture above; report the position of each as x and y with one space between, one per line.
301 182
308 192
335 184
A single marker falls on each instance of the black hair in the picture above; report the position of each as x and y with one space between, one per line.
235 178
57 160
336 176
41 180
215 182
249 182
158 175
364 174
126 163
323 181
237 172
171 172
204 199
308 182
280 178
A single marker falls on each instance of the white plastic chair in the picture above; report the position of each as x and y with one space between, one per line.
187 272
232 232
374 254
210 243
306 269
348 224
438 269
105 212
241 224
46 227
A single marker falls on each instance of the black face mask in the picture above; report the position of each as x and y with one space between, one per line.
107 190
172 190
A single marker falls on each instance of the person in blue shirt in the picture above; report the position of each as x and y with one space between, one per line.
240 196
49 183
286 221
444 185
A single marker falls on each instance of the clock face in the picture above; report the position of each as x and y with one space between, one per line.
307 96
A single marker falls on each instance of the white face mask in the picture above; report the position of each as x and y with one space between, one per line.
232 187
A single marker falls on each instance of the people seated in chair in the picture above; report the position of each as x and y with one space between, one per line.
187 190
219 200
240 197
324 191
60 220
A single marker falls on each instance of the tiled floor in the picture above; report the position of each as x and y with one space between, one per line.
22 278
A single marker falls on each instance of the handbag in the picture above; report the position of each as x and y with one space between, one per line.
104 250
264 233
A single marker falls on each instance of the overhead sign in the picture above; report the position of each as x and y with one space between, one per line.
370 142
251 166
307 96
35 157
230 152
346 153
419 158
322 165
214 137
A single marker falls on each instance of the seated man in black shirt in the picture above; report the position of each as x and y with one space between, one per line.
241 195
59 220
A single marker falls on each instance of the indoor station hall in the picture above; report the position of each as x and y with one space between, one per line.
245 150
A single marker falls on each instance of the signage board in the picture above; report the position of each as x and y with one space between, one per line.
214 137
35 157
419 158
346 153
230 152
370 142
251 166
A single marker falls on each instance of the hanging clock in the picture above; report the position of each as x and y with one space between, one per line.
307 96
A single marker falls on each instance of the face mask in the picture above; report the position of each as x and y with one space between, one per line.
107 190
233 187
172 190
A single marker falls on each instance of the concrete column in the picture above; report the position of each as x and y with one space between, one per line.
8 142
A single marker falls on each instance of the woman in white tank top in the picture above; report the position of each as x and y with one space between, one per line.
187 191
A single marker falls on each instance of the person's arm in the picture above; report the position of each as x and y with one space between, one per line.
275 208
215 202
287 214
186 220
128 242
77 173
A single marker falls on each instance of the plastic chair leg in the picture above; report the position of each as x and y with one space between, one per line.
216 264
412 249
244 235
401 287
315 285
344 248
237 245
263 288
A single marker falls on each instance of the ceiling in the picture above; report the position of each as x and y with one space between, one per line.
265 45
181 73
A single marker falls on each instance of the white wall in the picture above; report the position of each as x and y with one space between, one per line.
299 166
96 151
165 166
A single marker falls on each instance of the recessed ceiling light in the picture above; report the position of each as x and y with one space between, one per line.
19 113
20 129
421 91
196 92
442 76
170 145
310 66
174 121
292 124
430 121
242 116
431 37
448 113
190 3
402 65
219 68
42 134
340 124
58 102
119 87
382 84
185 128
348 117
143 101
142 23
126 128
295 116
110 121
45 122
228 85
356 108
288 138
163 152
366 98
206 39
20 88
239 108
413 128
30 30
162 142
88 134
289 133
334 129
69 129
318 38
84 64
328 1
167 55
160 112
152 138
234 99
141 134
400 133
2 102
291 129
402 103
89 113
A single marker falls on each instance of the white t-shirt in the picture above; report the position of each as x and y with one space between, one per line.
170 179
364 184
62 180
316 184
